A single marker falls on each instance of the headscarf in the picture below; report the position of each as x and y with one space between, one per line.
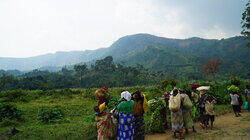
102 95
126 95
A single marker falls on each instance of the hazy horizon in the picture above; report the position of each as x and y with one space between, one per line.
33 27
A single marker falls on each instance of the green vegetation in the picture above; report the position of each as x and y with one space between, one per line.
68 113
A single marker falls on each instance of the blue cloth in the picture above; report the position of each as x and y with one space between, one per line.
126 126
246 105
139 126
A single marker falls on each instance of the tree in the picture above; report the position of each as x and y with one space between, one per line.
105 64
245 21
5 79
212 67
80 70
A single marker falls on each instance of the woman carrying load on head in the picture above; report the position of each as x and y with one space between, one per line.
158 120
187 111
140 108
175 106
103 117
126 125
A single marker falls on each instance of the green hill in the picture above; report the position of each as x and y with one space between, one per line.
172 56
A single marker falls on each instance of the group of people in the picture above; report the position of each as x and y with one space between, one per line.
126 120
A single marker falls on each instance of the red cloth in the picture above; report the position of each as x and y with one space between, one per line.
194 85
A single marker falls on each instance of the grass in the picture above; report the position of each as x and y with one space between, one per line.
79 120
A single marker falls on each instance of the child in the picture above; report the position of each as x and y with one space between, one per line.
209 109
235 103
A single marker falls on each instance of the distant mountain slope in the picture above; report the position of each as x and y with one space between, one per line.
155 53
49 61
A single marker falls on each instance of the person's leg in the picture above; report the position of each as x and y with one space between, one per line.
239 110
194 129
235 110
212 121
186 130
174 134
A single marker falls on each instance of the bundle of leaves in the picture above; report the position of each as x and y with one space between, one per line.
233 88
8 111
50 115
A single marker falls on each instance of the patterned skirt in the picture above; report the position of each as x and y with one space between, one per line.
104 126
188 121
177 120
157 123
139 126
126 126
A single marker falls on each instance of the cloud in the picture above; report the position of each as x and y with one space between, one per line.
34 27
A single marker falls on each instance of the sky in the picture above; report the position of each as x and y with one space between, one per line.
34 27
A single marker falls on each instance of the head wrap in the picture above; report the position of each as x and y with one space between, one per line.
102 95
126 95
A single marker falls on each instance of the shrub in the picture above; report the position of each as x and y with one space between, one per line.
9 122
15 96
50 115
8 111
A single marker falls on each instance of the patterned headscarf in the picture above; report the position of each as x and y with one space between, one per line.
126 95
102 95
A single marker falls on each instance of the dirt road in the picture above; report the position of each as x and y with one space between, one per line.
226 127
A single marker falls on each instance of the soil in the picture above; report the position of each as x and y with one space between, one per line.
226 127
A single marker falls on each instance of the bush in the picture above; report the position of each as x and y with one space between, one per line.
15 96
50 115
9 122
8 111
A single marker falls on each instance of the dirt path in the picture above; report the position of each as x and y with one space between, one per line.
226 127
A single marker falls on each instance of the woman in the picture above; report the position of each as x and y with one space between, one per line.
126 125
104 122
140 108
176 116
187 111
201 107
158 120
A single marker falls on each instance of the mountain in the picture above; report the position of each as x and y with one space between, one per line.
50 61
185 56
173 56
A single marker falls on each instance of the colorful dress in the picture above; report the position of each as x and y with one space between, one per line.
177 120
158 117
187 110
105 127
140 107
126 125
201 106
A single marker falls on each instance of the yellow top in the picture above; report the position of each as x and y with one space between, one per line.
102 107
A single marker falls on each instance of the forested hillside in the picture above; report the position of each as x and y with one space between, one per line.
177 58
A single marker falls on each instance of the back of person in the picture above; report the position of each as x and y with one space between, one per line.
209 107
174 102
234 99
126 106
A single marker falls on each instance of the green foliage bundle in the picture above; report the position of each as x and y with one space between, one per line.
233 88
8 111
47 115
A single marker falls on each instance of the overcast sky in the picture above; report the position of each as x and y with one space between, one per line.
34 27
